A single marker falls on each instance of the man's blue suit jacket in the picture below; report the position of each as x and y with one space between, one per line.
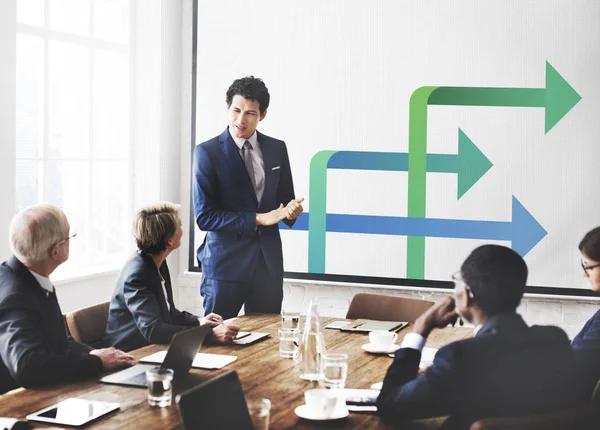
507 369
225 206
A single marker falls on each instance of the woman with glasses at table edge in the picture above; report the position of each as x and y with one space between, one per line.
586 345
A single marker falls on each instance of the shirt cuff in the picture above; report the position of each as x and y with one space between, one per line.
413 341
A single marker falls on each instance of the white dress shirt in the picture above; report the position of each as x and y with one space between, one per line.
162 283
44 282
416 341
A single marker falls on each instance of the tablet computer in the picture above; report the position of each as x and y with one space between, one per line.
73 412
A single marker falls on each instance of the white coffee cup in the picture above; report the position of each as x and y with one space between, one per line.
382 339
321 402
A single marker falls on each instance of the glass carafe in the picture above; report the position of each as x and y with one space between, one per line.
312 346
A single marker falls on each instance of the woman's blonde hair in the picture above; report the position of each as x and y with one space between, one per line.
35 230
154 225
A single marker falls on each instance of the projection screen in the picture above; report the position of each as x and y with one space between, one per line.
418 130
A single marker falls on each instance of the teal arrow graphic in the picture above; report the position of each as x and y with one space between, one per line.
470 164
557 98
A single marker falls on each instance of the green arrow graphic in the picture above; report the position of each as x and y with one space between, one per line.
558 98
469 164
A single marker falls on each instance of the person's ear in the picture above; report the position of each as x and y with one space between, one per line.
54 252
263 115
469 301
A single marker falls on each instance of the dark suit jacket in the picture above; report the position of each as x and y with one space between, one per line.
507 369
138 314
586 354
225 206
34 347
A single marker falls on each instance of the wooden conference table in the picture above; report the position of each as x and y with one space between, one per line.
262 372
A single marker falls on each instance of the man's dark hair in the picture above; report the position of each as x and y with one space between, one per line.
497 276
590 244
250 88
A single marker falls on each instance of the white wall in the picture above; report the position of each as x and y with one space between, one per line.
8 10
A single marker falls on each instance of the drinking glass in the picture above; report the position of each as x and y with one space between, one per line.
260 413
288 342
335 370
159 386
290 320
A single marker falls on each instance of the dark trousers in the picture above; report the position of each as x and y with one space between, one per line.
260 294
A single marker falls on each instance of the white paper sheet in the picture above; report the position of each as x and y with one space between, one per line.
202 360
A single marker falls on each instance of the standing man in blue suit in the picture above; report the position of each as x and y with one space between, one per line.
242 189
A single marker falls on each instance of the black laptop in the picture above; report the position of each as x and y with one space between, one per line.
180 356
215 404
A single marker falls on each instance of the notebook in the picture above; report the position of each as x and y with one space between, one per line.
365 325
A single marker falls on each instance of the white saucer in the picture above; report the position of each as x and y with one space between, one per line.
377 350
303 412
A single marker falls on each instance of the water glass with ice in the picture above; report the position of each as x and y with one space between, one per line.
288 342
335 370
290 320
159 386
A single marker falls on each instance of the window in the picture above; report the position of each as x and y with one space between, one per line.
73 123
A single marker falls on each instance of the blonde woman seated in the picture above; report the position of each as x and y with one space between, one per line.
142 310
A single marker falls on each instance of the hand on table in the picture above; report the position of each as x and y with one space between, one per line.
225 332
212 320
113 358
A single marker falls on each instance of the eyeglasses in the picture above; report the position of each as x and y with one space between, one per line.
586 268
72 235
457 279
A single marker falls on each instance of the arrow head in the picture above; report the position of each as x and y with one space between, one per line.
472 164
526 231
560 97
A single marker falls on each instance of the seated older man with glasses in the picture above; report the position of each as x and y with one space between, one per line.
34 347
506 369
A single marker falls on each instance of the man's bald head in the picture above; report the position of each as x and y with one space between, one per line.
35 230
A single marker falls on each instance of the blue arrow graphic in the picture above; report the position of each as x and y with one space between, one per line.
523 231
470 163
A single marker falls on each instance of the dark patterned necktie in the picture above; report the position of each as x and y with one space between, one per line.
247 156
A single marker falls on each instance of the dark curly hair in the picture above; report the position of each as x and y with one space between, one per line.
250 88
590 244
497 276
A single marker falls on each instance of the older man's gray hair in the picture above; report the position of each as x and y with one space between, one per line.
35 230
